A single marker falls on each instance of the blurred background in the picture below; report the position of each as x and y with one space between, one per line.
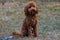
12 15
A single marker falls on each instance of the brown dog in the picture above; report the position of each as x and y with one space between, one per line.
30 21
29 28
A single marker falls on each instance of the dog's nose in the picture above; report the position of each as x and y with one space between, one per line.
33 9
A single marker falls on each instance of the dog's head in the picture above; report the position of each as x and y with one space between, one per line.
31 8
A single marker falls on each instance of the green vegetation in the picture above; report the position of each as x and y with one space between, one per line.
12 15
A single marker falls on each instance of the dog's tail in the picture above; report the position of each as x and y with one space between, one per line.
17 33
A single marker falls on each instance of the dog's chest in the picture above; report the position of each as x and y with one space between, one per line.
31 21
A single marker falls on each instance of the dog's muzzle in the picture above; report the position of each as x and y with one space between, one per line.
32 9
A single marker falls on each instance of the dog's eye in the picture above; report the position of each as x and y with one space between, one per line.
29 6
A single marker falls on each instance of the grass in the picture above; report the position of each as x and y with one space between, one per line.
11 18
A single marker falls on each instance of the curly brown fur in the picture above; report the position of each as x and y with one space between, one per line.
29 28
29 24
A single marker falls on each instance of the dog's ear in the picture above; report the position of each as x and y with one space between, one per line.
36 9
26 9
